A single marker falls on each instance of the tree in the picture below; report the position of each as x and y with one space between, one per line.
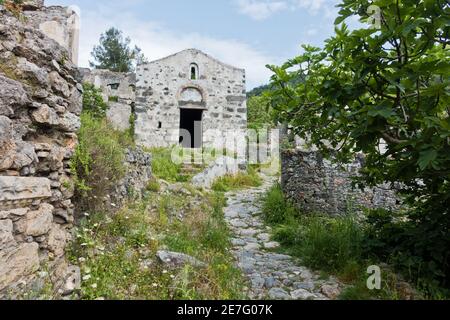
259 112
114 53
389 85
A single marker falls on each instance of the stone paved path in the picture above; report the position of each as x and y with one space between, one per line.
270 275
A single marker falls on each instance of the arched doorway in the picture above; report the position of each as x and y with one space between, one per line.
192 107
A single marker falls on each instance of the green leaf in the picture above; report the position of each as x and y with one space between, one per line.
427 158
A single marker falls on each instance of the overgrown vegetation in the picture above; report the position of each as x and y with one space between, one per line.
241 180
164 168
259 112
384 85
117 253
98 162
344 246
335 245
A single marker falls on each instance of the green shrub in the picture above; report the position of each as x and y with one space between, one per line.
98 161
346 247
153 186
392 236
93 101
330 244
276 208
113 99
322 242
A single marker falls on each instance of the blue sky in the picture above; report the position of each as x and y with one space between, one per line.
244 33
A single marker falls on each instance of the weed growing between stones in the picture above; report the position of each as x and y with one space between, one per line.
98 161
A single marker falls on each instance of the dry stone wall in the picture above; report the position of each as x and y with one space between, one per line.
316 185
138 174
40 104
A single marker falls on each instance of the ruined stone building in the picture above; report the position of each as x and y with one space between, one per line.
192 91
185 98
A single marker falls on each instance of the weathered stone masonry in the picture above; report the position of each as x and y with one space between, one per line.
40 104
316 185
118 90
188 81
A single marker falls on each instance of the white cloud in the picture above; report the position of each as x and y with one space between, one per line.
311 32
263 9
260 10
313 6
157 41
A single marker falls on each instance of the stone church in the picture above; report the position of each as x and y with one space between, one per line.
188 98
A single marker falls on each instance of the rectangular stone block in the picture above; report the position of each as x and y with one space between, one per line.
15 191
16 263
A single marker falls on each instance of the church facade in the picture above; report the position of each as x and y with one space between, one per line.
189 98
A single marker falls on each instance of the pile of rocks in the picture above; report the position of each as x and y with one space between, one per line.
40 104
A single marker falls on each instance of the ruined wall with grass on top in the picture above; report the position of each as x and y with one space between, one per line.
40 104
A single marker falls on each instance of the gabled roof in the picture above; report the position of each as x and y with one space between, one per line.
198 52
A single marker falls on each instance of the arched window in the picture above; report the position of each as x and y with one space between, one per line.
194 71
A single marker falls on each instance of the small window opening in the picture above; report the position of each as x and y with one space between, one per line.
194 71
114 86
159 125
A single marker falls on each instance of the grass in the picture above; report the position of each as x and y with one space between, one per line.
117 254
164 168
153 186
333 245
239 181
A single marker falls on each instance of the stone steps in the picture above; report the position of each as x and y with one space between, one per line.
270 275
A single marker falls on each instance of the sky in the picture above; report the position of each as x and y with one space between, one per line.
244 33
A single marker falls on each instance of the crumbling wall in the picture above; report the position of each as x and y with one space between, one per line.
134 183
40 104
61 24
118 90
316 185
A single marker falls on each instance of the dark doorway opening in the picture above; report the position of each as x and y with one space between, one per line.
191 122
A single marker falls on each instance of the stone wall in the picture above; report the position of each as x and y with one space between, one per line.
40 104
118 90
316 185
137 177
164 87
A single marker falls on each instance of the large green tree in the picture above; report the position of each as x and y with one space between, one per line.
387 83
114 53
